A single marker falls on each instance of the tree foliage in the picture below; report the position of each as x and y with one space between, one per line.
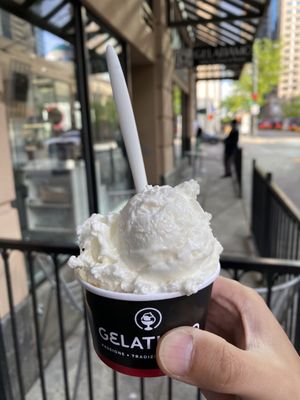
104 111
267 54
291 107
176 99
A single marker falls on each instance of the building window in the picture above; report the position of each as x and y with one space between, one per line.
44 119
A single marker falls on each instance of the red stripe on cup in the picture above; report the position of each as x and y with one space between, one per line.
141 373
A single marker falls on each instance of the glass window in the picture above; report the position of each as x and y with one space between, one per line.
62 16
44 7
44 125
115 184
180 139
177 123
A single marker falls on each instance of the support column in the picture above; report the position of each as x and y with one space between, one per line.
145 110
83 94
165 63
152 101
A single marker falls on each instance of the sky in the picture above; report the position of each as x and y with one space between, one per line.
226 88
49 42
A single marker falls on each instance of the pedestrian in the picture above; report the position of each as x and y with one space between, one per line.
199 136
243 353
230 147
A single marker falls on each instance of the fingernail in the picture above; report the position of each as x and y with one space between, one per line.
175 352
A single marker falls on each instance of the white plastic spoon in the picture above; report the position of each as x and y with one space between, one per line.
126 119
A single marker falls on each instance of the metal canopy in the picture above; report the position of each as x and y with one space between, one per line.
218 27
55 16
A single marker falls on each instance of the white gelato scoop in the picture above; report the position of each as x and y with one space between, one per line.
161 241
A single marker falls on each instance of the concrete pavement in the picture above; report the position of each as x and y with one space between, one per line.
277 152
219 197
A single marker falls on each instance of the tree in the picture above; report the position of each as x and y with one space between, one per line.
291 107
104 118
267 54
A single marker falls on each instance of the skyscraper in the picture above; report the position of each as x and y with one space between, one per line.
269 27
289 85
18 31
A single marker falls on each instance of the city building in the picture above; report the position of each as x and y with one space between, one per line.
20 32
289 85
270 23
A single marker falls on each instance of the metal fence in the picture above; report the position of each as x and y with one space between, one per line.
281 281
238 165
275 221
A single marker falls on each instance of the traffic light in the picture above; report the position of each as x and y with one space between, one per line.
254 96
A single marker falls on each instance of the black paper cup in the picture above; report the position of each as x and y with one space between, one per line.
126 327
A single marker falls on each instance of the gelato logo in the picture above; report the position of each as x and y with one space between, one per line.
148 319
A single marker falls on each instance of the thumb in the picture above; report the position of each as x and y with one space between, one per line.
205 360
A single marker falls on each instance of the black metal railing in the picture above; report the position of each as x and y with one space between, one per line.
275 220
280 278
238 165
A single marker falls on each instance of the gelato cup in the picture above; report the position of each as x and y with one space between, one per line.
126 327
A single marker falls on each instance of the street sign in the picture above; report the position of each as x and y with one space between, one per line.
184 58
222 54
255 109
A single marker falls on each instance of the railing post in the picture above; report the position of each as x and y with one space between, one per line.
297 330
83 95
238 162
36 326
13 320
253 198
170 391
267 214
269 287
261 211
5 385
61 328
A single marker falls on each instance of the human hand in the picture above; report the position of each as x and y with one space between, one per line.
244 354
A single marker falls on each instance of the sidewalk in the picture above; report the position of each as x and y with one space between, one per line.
218 197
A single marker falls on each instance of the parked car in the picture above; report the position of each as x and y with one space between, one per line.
270 124
294 125
265 124
277 124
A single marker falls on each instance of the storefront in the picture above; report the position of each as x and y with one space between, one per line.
67 151
57 185
62 156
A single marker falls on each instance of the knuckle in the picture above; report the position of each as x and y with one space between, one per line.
228 366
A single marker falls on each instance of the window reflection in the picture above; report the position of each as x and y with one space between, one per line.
44 120
44 7
44 128
113 173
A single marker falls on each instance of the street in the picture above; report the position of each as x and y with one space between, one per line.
277 152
